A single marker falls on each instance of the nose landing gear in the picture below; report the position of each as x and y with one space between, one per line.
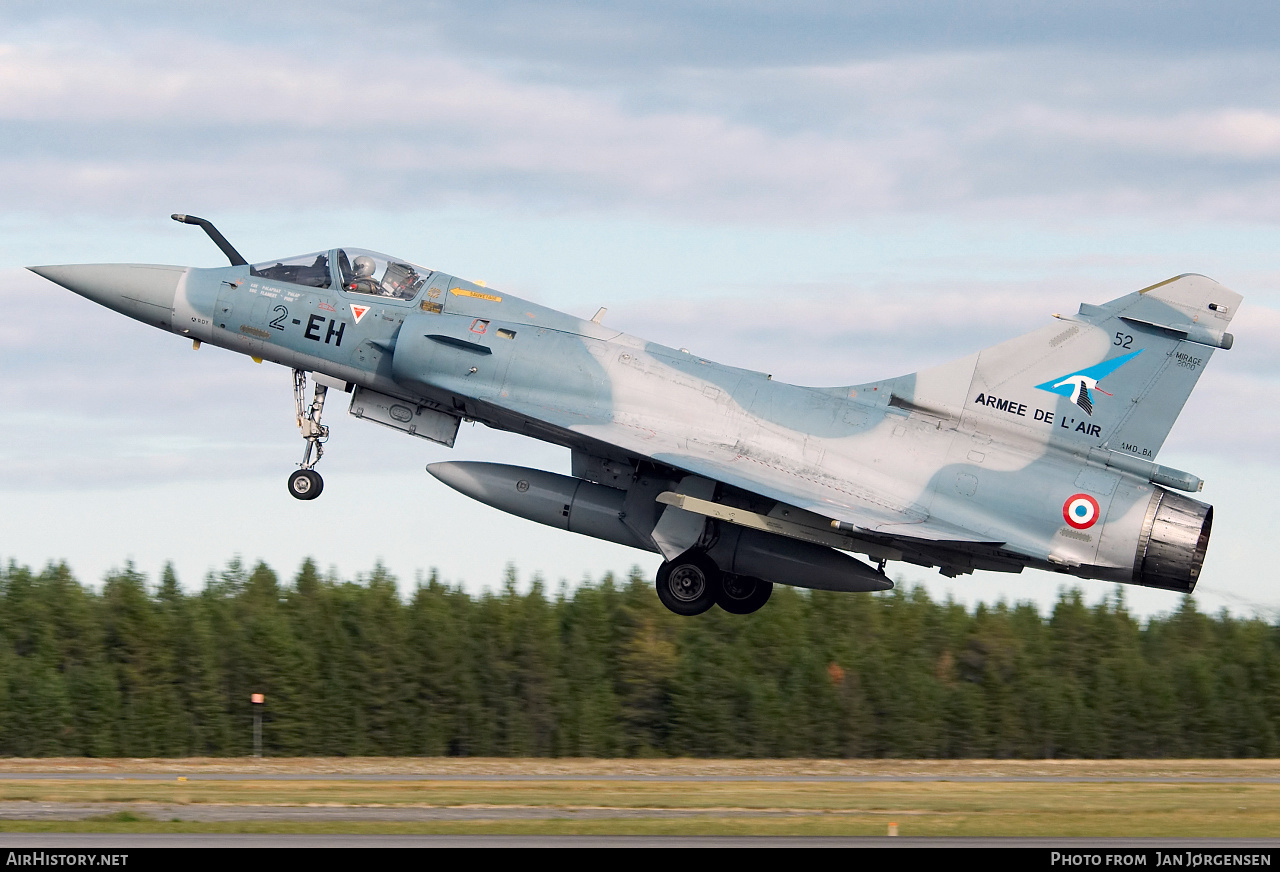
306 483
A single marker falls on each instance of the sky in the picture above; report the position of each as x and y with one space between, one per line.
830 192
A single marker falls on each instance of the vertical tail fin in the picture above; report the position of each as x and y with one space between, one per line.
1113 376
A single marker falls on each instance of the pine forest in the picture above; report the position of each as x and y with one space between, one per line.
139 668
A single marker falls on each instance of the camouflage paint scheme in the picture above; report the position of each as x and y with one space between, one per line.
1035 452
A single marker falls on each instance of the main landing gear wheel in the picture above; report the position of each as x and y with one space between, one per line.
687 585
306 484
742 594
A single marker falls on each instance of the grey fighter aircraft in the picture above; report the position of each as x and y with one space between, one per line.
1036 452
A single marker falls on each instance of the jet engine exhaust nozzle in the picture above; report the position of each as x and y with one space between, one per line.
1175 536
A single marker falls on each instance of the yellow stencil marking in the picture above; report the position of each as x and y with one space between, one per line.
463 292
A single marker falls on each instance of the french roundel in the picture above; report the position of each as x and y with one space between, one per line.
1080 511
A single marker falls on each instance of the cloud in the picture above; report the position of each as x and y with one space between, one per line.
1243 134
110 127
102 118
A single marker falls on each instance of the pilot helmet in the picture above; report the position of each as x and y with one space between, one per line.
364 267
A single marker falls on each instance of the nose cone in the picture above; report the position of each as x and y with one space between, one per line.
139 290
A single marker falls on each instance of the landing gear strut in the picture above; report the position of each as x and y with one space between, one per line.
306 483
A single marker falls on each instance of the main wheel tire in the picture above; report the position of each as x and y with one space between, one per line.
305 484
742 594
687 585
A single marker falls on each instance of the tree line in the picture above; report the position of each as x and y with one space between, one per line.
137 669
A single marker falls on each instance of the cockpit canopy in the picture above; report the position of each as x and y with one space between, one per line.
367 272
311 270
355 270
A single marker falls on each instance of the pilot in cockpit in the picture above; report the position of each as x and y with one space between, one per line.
362 280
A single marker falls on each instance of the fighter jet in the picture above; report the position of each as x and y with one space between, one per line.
1037 452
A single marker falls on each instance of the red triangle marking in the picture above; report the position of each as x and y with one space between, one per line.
359 311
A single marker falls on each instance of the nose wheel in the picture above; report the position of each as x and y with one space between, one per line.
305 483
